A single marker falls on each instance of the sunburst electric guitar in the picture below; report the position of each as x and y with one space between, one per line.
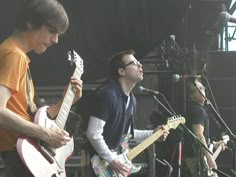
102 168
41 159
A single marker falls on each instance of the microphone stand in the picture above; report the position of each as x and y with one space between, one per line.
220 120
165 163
168 103
219 172
180 143
199 142
172 114
196 139
227 129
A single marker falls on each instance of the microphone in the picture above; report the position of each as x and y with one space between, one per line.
177 77
148 91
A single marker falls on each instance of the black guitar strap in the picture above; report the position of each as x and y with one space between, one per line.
32 108
132 126
132 104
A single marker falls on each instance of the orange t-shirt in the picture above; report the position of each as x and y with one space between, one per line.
13 71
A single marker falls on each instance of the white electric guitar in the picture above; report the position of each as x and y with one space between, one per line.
41 159
225 140
102 168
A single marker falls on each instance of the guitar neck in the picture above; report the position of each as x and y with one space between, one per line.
145 144
67 102
220 147
217 152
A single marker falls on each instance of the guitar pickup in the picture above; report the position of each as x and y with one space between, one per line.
47 151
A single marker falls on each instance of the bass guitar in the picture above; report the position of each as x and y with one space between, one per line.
101 166
41 159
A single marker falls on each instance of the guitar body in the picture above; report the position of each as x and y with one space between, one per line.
42 160
102 168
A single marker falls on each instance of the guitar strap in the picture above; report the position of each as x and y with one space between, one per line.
32 108
131 102
132 126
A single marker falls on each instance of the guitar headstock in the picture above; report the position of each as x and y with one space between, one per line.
225 138
173 122
74 57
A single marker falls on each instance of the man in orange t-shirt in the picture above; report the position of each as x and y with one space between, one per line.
38 25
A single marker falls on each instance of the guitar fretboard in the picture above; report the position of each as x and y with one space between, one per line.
171 123
220 147
67 102
146 143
